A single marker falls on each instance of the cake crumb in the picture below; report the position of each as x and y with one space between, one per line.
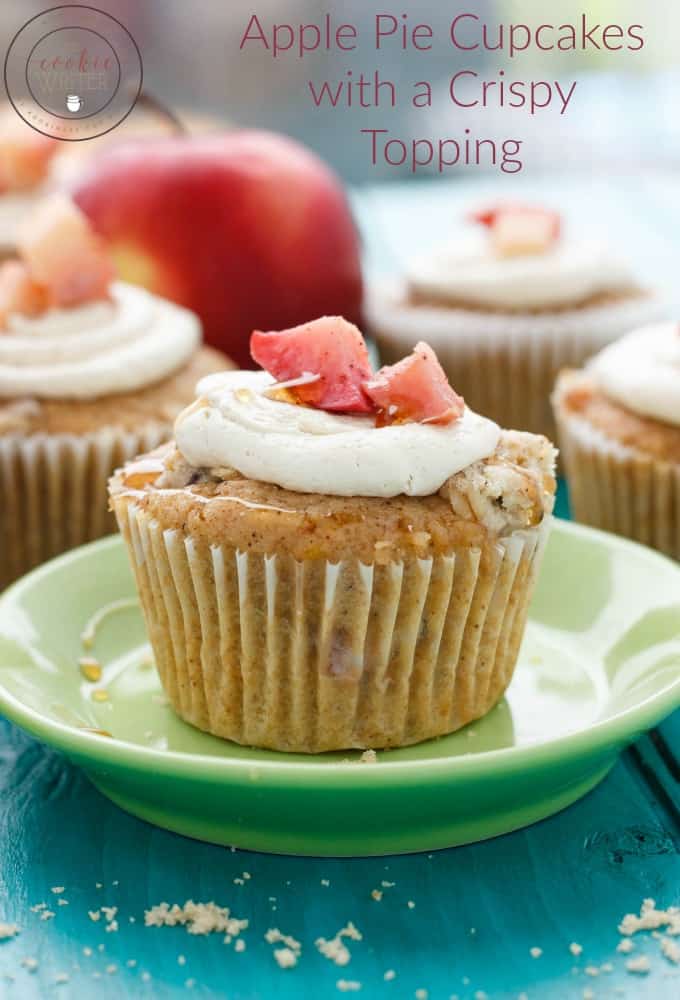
591 970
46 915
651 919
325 882
37 907
670 950
625 946
390 975
376 894
57 889
181 960
535 952
421 994
131 963
189 983
285 957
334 948
197 918
94 915
61 977
588 994
87 951
575 949
639 965
30 963
368 757
62 902
411 905
348 985
146 976
8 931
111 969
240 945
387 885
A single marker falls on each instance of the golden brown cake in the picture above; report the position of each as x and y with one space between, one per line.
619 428
384 610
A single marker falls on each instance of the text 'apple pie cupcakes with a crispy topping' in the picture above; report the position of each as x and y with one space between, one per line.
331 558
508 304
92 372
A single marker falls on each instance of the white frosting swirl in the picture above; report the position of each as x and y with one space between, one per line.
96 349
234 425
468 271
641 371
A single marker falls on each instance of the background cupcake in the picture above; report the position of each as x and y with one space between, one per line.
92 371
506 306
619 428
337 559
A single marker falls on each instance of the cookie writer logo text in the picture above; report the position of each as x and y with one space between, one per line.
73 72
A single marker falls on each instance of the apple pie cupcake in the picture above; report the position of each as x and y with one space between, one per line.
509 304
92 372
619 426
330 558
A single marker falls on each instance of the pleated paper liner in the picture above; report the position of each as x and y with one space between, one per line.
53 492
505 365
310 656
617 489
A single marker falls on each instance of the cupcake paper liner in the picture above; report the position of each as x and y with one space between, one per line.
311 655
53 492
505 364
620 490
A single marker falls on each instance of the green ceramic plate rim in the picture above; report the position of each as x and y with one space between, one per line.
609 733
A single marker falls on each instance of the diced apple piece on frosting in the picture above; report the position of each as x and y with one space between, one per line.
332 349
18 292
415 389
63 253
24 154
517 229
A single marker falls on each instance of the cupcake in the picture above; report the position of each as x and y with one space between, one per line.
330 558
92 371
506 306
619 425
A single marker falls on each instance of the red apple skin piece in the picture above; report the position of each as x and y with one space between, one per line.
63 253
416 389
19 293
329 347
491 216
248 229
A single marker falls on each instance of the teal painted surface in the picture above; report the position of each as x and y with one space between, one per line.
567 879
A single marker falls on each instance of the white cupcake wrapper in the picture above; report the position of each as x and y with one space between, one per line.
617 489
53 492
505 365
312 656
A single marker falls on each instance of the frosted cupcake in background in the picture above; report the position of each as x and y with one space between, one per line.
92 371
507 305
619 427
331 558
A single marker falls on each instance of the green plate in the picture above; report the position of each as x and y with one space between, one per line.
600 664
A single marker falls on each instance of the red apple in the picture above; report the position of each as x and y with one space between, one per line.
249 229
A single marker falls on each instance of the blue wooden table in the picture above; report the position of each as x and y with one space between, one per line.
495 919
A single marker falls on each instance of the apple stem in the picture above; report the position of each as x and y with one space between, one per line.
151 103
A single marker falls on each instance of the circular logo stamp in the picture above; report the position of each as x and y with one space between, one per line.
73 72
